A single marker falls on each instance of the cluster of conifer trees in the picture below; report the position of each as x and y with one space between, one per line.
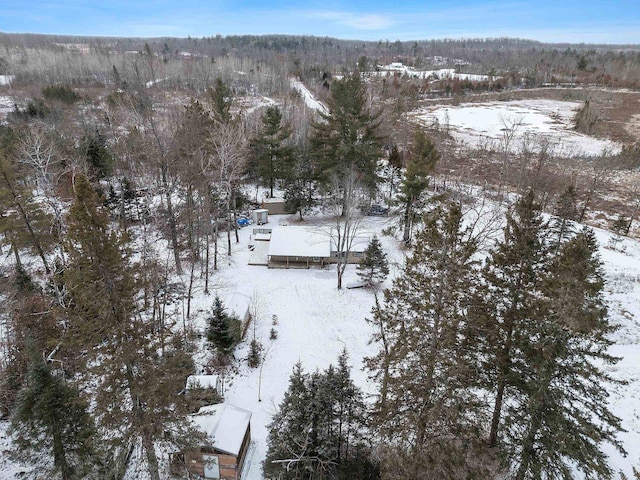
494 368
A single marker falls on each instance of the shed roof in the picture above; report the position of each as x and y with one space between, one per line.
274 200
224 424
299 242
204 381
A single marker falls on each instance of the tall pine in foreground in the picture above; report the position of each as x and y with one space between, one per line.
49 416
137 371
561 418
507 303
428 415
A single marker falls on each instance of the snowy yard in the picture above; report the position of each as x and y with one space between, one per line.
316 321
511 125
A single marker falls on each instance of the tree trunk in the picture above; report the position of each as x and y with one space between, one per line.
59 457
406 237
172 221
24 216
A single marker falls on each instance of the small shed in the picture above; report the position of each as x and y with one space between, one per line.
228 434
275 205
204 381
260 216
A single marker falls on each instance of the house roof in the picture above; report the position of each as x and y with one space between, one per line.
204 381
224 424
299 242
359 243
274 200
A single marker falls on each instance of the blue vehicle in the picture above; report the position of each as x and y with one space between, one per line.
243 222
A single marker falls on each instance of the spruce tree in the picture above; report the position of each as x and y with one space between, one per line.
374 267
428 415
219 332
319 430
508 301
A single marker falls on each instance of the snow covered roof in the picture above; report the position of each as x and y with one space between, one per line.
274 200
299 242
225 424
236 302
204 381
358 244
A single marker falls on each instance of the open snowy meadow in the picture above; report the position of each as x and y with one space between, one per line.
516 125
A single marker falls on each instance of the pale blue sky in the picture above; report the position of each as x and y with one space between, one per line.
600 21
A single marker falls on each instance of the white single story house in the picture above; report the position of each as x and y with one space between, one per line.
303 247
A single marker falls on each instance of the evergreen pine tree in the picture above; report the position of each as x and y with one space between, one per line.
565 213
49 416
269 148
319 431
561 418
508 302
346 142
420 167
219 332
137 372
428 414
374 267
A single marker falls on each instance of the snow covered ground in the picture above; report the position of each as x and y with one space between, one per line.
308 97
488 125
7 105
315 322
439 74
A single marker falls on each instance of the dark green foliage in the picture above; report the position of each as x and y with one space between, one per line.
255 350
318 431
542 326
346 141
37 108
124 356
299 183
620 225
271 154
428 414
565 213
420 166
273 334
222 331
49 416
98 156
62 93
508 301
374 267
220 98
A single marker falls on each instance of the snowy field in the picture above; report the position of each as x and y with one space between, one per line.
439 74
516 125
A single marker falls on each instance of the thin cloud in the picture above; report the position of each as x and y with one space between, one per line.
353 20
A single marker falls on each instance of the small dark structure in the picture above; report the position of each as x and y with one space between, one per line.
228 431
